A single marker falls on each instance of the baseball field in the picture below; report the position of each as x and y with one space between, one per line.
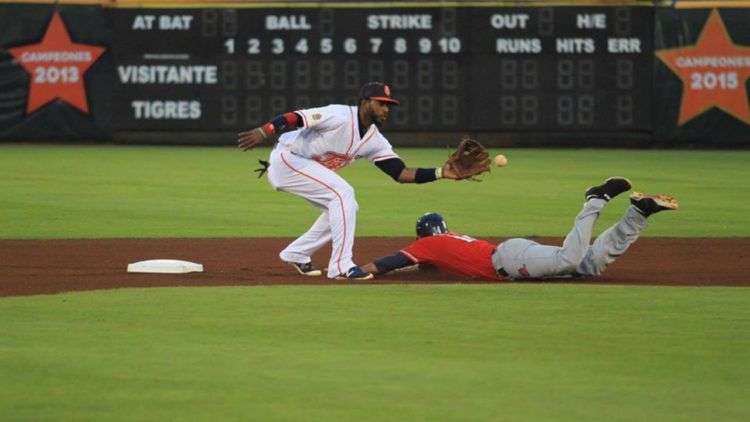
663 335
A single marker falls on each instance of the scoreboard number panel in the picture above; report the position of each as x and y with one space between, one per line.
585 69
566 69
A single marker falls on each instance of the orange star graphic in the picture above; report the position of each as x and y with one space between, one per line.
56 67
713 72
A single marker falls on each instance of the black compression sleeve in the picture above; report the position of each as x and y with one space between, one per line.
425 175
392 167
393 262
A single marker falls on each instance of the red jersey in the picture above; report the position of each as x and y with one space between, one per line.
455 253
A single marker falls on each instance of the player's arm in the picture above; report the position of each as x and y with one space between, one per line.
277 125
388 263
396 168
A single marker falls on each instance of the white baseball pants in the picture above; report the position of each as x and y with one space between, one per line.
326 190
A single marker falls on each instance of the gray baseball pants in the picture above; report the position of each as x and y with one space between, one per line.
523 258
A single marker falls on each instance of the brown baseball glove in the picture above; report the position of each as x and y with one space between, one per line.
470 159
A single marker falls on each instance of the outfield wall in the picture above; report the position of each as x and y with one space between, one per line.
607 73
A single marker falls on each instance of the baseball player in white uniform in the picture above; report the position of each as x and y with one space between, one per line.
305 160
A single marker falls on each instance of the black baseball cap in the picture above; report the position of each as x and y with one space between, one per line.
377 91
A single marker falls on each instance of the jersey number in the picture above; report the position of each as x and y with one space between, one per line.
463 237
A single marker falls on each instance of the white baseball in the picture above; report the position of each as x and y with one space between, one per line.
500 160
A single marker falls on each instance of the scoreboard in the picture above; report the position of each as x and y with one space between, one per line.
561 69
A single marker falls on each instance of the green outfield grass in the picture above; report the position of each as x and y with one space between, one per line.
522 352
355 353
119 191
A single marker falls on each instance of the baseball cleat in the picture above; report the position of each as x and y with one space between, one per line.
306 269
355 273
650 204
609 189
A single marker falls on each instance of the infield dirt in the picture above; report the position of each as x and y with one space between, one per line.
52 266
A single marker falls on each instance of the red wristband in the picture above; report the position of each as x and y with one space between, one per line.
268 129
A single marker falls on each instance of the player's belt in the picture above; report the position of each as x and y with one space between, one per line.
500 271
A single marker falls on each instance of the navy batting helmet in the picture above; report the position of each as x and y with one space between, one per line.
431 223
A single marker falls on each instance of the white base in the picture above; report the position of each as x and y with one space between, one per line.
168 266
